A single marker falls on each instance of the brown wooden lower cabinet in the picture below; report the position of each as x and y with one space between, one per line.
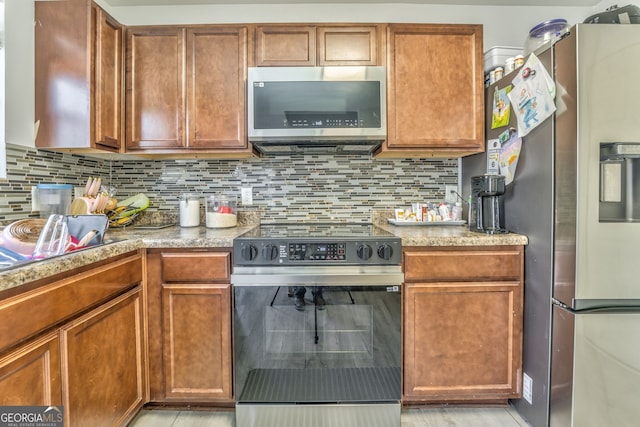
463 324
102 364
30 375
196 341
77 340
190 326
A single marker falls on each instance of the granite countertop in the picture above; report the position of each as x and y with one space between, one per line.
120 241
450 235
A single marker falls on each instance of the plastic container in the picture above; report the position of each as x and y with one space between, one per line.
54 199
546 32
497 56
221 211
189 210
456 212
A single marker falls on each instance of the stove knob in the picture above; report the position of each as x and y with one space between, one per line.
364 252
249 252
385 252
270 252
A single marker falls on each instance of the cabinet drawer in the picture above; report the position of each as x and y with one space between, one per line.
196 267
26 314
462 264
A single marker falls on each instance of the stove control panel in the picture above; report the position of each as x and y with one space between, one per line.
265 252
317 251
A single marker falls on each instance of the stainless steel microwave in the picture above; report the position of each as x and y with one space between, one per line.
292 109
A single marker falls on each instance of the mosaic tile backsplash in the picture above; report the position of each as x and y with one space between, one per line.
295 188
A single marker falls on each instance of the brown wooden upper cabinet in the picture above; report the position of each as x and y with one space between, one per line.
319 45
78 77
185 91
435 91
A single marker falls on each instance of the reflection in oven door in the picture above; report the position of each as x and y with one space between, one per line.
345 352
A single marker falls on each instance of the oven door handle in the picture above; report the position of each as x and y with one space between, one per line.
318 276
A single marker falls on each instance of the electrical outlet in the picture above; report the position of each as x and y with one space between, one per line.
35 201
527 388
78 192
450 193
247 196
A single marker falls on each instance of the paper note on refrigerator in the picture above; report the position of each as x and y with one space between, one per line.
509 154
493 156
532 95
501 107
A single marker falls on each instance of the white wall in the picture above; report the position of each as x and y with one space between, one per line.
503 25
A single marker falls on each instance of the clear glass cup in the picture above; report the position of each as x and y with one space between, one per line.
53 238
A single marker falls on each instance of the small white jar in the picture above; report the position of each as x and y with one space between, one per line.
509 65
189 210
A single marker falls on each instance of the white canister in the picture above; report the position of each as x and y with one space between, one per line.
189 210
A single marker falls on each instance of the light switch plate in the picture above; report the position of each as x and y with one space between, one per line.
35 202
78 192
527 388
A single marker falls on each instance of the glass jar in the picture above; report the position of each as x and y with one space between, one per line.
221 211
189 210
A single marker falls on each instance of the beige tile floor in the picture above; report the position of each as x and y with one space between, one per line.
415 417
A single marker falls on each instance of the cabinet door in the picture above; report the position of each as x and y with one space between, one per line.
282 46
107 80
189 317
197 341
102 364
30 375
63 64
462 341
155 93
310 45
435 91
216 87
352 45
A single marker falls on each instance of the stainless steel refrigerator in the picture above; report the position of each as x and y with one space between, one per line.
576 195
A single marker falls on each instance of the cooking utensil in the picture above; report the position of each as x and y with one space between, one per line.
87 238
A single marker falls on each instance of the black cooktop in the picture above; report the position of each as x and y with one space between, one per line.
286 244
322 229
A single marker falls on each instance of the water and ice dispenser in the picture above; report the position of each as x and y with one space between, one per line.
619 182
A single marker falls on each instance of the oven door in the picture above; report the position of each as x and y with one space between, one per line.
333 364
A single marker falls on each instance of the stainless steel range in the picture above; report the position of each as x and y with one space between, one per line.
317 324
